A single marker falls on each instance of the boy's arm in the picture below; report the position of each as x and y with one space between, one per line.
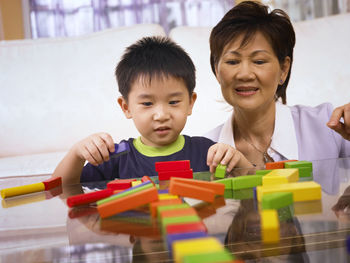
95 149
225 154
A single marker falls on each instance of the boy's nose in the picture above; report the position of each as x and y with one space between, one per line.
161 113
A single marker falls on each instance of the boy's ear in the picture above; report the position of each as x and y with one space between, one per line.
125 107
192 101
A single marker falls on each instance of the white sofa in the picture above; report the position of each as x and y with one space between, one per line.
55 92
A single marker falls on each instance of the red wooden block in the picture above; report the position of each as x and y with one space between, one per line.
172 166
88 198
277 165
168 174
193 191
146 178
186 227
218 188
128 202
153 206
52 183
120 184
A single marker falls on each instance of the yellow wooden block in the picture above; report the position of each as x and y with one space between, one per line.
270 226
194 246
167 196
302 191
281 176
134 183
21 190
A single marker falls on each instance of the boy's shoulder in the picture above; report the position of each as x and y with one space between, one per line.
198 140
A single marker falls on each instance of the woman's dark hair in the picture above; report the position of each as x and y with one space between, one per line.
248 18
154 57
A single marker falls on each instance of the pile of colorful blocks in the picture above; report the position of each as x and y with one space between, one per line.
276 188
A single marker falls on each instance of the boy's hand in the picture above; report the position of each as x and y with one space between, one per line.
225 154
95 148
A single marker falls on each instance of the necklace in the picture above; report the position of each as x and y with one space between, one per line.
266 156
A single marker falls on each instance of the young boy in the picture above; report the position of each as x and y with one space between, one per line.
156 79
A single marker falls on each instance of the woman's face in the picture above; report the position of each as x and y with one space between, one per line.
249 75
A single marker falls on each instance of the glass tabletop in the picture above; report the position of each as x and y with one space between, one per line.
40 227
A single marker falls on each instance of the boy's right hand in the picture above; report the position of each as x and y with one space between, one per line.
95 148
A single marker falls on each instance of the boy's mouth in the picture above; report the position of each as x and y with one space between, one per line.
162 130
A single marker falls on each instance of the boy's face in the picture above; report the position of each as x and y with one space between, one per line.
159 108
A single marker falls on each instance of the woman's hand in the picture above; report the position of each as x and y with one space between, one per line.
95 148
343 128
225 154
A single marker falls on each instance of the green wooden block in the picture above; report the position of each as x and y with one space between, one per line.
226 181
285 214
228 194
246 181
220 171
122 194
242 194
220 256
276 200
179 220
297 164
203 176
305 172
170 207
262 172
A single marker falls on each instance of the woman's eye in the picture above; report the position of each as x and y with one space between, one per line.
146 103
232 62
173 102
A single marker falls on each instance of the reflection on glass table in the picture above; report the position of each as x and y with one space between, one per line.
40 227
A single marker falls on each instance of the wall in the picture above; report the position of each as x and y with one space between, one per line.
11 26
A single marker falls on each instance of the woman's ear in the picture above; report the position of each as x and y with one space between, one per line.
125 107
193 98
285 66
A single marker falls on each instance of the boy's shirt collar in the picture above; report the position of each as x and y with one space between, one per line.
151 151
284 140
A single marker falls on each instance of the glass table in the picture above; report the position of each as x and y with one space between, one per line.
39 227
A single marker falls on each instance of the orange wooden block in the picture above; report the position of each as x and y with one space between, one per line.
218 188
153 206
193 191
277 165
178 212
128 202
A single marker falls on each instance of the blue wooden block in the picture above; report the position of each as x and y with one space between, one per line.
180 236
163 191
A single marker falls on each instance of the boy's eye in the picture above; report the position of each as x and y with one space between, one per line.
259 62
173 102
147 103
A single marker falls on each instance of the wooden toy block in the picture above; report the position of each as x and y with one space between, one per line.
182 248
153 206
274 180
218 188
120 184
52 182
203 176
120 149
228 194
170 207
286 214
246 181
302 191
220 171
22 190
305 172
183 236
298 164
226 181
134 183
178 212
166 175
128 202
186 227
220 256
172 166
292 174
262 172
277 165
178 220
193 191
88 198
167 196
126 192
163 191
242 194
276 200
308 207
147 178
270 227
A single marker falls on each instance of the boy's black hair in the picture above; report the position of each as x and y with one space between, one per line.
154 57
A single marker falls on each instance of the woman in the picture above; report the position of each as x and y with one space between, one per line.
251 57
